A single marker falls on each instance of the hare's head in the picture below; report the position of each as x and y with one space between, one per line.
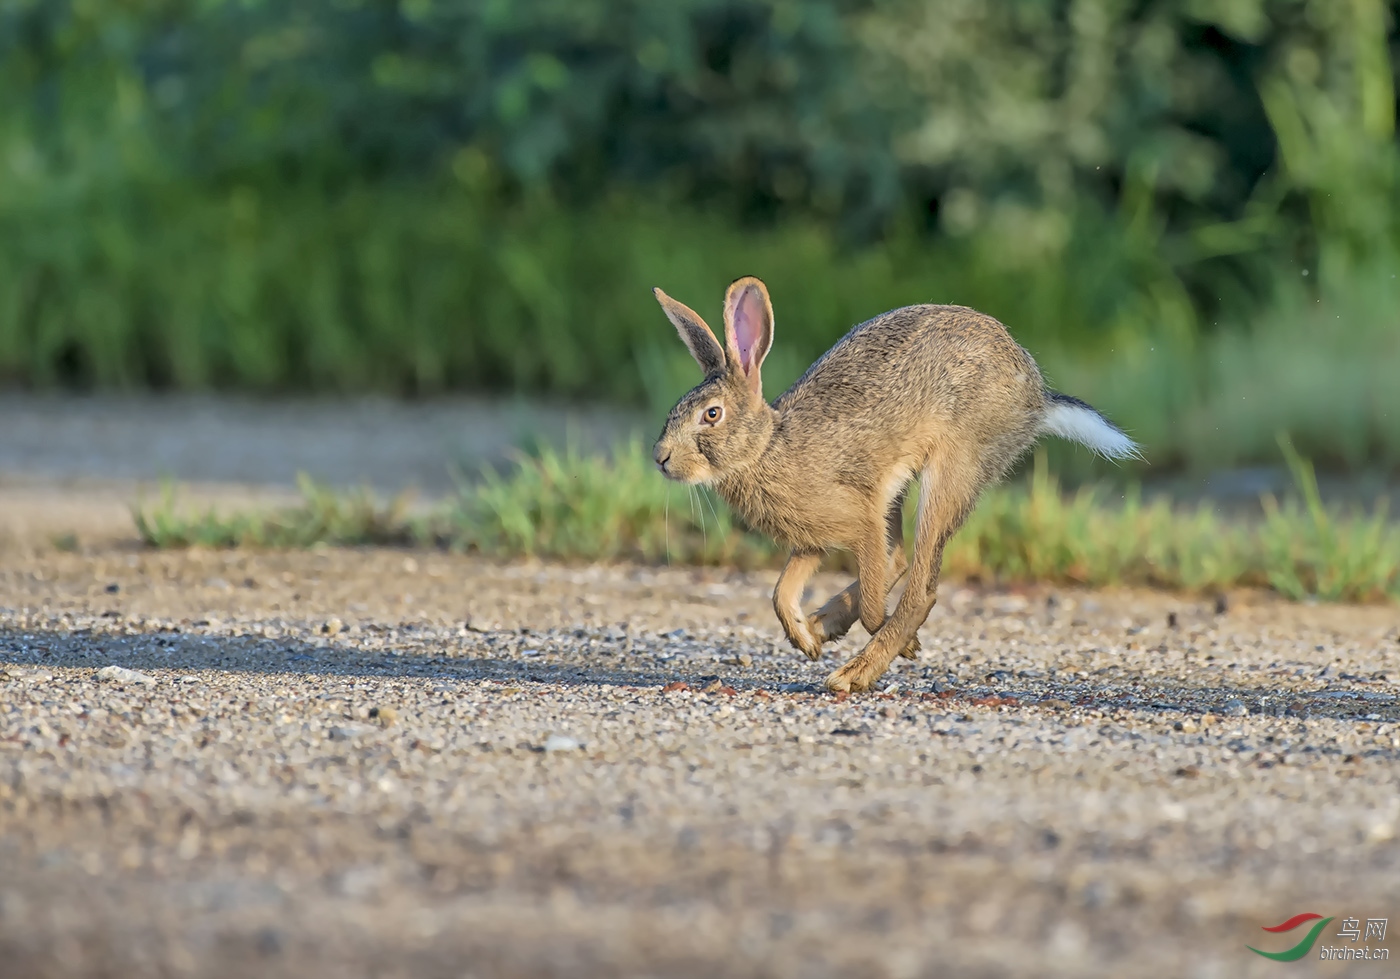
723 424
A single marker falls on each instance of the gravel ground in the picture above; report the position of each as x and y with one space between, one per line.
393 764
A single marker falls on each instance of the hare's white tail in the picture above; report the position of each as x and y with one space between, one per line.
1072 419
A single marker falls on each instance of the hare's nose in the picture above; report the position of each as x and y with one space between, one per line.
662 456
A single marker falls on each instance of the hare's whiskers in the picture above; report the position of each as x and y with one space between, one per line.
704 531
667 521
708 497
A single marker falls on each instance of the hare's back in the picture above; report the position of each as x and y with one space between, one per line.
916 362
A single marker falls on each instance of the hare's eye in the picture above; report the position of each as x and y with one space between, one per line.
713 414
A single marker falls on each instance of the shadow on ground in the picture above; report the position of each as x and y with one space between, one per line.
566 659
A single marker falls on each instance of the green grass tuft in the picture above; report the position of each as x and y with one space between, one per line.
571 506
323 517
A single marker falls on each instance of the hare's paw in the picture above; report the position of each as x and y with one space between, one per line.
865 668
857 675
828 627
805 640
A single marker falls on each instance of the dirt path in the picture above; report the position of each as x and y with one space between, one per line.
390 764
229 441
72 467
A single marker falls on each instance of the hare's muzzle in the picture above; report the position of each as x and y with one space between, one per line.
662 457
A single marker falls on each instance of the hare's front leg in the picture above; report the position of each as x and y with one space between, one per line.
787 601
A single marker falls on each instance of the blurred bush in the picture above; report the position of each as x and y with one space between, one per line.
415 196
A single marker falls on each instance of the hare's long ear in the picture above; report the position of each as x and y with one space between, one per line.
697 336
748 328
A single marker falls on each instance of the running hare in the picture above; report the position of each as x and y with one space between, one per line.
941 392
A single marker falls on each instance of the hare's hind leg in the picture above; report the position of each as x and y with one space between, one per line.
899 562
834 619
787 601
948 489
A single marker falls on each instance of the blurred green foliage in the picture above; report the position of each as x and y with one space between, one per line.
1163 200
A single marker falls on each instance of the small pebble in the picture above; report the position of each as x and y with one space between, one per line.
23 673
332 627
120 674
346 732
557 742
386 716
1235 708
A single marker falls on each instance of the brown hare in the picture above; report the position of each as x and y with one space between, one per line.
939 392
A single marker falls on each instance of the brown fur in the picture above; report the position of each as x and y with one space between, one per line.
940 392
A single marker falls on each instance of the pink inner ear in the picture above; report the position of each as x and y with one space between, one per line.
748 326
